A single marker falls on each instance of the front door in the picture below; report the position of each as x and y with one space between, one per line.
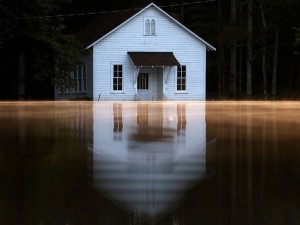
144 86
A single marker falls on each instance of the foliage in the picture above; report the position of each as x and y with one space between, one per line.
297 40
27 27
50 53
5 26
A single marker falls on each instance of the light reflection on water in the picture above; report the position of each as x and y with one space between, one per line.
149 163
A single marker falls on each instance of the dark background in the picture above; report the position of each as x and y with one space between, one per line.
211 20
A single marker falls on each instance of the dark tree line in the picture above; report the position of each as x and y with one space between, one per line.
256 48
257 44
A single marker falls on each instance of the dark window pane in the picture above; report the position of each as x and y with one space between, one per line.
143 81
84 72
84 85
80 72
119 80
80 85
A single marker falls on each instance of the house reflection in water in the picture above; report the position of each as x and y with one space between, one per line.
146 156
118 122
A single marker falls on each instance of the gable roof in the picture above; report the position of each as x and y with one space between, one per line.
102 25
107 23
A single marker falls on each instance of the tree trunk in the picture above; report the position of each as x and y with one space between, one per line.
241 68
275 55
249 50
233 49
182 11
264 42
21 77
219 52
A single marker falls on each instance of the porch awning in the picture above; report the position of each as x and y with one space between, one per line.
155 59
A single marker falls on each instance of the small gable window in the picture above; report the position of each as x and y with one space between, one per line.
150 26
147 27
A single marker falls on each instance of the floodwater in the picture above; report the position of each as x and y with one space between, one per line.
136 163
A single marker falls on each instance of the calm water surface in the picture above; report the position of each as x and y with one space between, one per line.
136 163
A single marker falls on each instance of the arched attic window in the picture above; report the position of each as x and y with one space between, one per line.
149 26
153 27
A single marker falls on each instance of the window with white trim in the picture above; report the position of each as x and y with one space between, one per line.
149 26
117 78
181 78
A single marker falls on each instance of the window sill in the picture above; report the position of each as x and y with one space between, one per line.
181 92
117 92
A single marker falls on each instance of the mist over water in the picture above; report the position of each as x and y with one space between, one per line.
149 163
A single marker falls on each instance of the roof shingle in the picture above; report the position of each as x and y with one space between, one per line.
102 25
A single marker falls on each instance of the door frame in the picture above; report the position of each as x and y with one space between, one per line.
145 94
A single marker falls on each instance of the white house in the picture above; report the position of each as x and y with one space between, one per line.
141 54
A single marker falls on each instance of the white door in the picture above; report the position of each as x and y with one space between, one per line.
144 86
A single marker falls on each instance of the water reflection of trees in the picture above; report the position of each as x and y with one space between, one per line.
256 164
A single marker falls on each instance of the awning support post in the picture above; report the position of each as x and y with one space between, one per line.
168 69
136 74
166 72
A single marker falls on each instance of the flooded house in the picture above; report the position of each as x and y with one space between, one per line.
142 54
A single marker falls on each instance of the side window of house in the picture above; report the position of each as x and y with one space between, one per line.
117 77
80 79
181 78
149 26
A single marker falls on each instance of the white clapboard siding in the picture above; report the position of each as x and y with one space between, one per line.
170 37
